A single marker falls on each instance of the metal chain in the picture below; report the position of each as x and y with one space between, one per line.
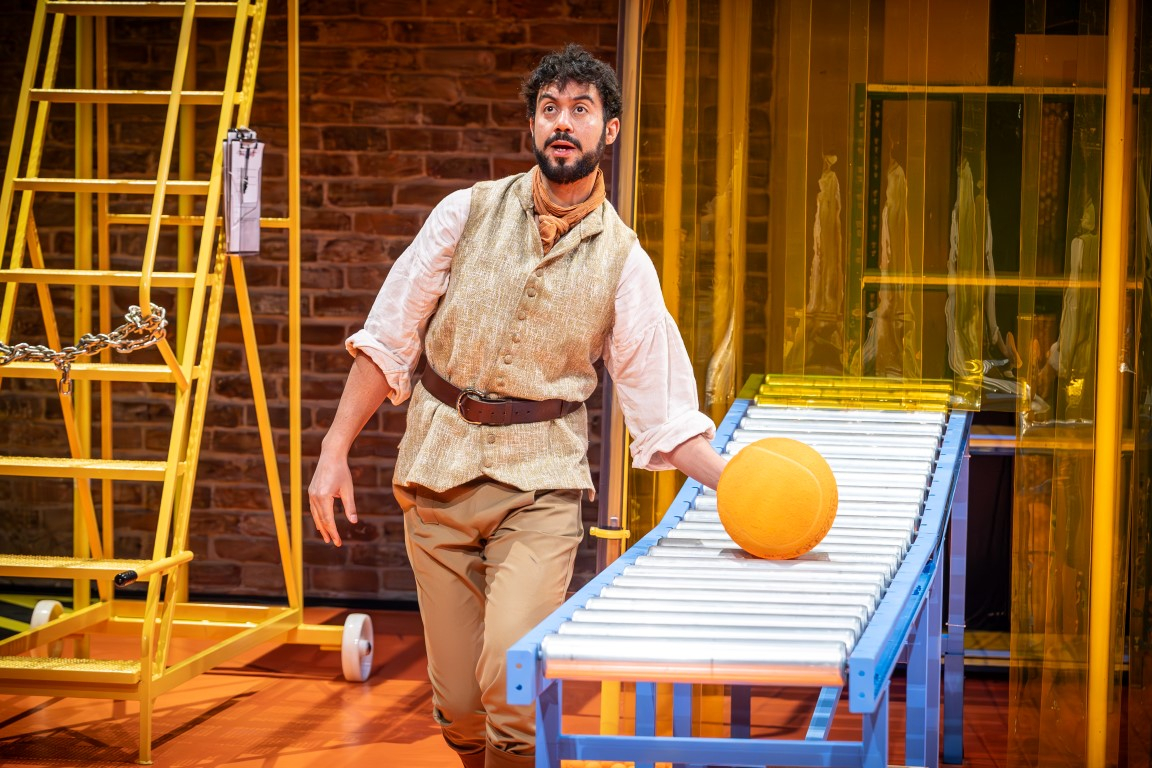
138 332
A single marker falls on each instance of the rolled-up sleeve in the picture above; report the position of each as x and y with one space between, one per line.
648 363
393 334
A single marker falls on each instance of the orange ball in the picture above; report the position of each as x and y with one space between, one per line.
777 498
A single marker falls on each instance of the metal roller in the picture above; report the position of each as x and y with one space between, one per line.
848 506
840 447
669 660
747 589
886 536
709 576
768 595
763 568
704 607
863 547
888 562
706 631
894 494
862 432
705 519
846 416
630 612
826 441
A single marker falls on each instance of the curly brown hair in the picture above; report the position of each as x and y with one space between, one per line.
573 64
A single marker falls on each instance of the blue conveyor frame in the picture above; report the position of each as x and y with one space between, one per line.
906 626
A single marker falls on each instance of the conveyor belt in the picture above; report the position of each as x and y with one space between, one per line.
685 605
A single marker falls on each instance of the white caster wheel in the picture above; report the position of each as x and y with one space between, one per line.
356 648
44 612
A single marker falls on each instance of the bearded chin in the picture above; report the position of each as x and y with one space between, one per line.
567 173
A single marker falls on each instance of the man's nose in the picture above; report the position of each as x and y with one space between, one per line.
564 120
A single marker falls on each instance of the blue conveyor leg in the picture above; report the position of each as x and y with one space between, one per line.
645 716
922 692
874 740
548 725
740 711
954 647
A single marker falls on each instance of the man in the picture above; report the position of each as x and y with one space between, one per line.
513 290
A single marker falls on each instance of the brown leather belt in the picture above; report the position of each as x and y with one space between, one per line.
477 407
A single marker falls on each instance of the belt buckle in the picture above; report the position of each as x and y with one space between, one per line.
476 395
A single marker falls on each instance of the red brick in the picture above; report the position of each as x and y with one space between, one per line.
344 581
425 32
503 31
458 114
348 250
262 578
383 8
424 140
385 59
383 223
360 193
354 138
587 35
460 167
349 31
246 550
385 113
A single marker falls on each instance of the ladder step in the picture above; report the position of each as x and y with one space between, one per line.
44 567
62 670
79 96
117 372
215 10
98 277
96 469
109 186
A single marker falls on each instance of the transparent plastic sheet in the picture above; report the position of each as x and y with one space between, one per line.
1053 510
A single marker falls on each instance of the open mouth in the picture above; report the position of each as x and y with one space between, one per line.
562 146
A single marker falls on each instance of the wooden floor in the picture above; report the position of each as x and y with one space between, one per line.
288 707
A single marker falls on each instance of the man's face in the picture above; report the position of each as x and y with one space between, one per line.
569 133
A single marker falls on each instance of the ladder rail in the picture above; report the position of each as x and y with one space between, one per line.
8 311
202 320
20 126
164 168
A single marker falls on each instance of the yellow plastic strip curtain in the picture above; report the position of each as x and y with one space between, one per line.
1136 741
1070 528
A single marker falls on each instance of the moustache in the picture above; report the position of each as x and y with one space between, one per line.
561 136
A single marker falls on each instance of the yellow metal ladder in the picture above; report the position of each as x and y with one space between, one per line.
158 242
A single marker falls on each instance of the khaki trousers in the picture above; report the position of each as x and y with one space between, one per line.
491 561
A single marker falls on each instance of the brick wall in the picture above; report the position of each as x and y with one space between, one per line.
403 101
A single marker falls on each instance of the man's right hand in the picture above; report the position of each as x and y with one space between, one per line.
332 480
364 391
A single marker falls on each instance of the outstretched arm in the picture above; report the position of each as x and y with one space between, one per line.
696 458
364 392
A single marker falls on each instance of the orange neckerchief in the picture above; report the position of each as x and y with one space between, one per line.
554 220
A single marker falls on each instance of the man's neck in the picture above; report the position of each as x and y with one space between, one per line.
567 195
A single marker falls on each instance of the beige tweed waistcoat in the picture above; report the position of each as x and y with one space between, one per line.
515 322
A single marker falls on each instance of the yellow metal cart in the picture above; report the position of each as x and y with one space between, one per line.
150 237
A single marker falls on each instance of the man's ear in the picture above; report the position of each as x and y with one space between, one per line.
612 130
